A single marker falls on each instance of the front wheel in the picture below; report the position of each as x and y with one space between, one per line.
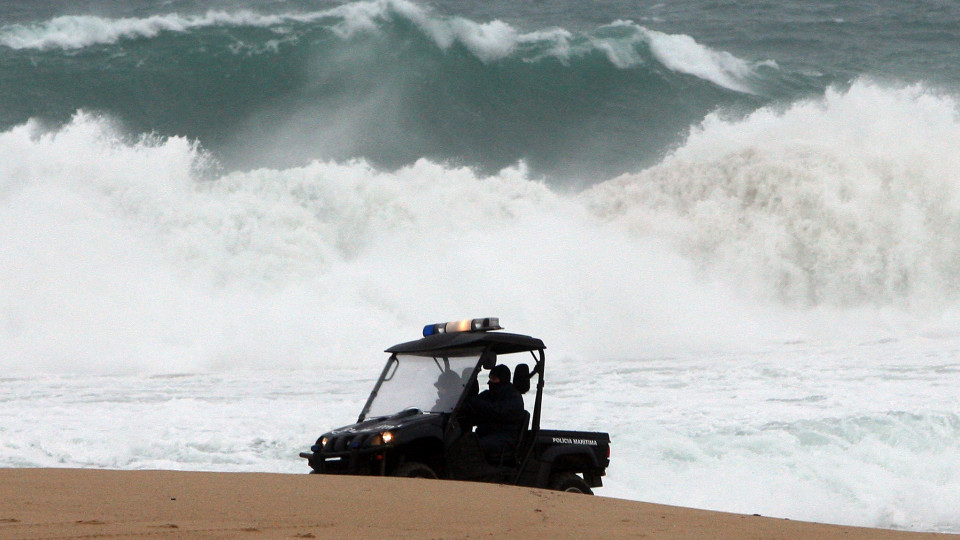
569 482
413 469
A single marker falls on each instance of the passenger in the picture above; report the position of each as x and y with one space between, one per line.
498 414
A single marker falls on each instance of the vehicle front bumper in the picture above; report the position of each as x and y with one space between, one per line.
366 461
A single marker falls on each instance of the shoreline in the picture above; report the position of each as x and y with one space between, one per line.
70 503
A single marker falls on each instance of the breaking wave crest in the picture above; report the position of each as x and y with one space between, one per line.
125 256
141 254
847 200
624 43
387 81
80 31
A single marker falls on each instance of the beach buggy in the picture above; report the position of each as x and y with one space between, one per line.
414 424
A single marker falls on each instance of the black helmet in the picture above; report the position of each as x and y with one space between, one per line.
501 372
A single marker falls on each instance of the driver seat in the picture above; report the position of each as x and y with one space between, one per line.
508 456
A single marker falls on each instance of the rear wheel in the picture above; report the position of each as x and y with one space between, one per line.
569 482
414 469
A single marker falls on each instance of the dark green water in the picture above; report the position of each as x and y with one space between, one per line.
573 89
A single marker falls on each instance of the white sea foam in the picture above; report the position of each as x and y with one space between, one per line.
487 41
625 44
846 200
79 31
496 40
682 53
860 434
119 257
122 257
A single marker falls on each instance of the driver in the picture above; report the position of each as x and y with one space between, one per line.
498 413
448 386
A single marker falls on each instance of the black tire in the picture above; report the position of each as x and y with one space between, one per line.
414 469
570 483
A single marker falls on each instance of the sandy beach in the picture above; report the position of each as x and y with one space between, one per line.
81 503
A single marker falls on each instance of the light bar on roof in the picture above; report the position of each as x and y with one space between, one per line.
465 325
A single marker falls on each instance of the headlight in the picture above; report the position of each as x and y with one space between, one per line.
384 437
324 441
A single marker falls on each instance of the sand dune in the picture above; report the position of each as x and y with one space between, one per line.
74 503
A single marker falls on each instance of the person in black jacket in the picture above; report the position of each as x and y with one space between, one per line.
498 414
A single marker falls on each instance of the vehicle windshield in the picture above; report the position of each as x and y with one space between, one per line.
427 383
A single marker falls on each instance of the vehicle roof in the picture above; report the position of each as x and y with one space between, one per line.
499 342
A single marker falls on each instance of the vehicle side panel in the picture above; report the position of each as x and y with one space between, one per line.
581 452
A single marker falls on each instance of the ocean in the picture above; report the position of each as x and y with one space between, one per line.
735 225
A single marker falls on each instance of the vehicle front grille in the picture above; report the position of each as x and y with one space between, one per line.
347 442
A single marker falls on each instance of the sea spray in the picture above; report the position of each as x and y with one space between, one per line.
126 258
160 265
846 200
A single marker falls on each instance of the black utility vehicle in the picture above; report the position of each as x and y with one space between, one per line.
413 423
